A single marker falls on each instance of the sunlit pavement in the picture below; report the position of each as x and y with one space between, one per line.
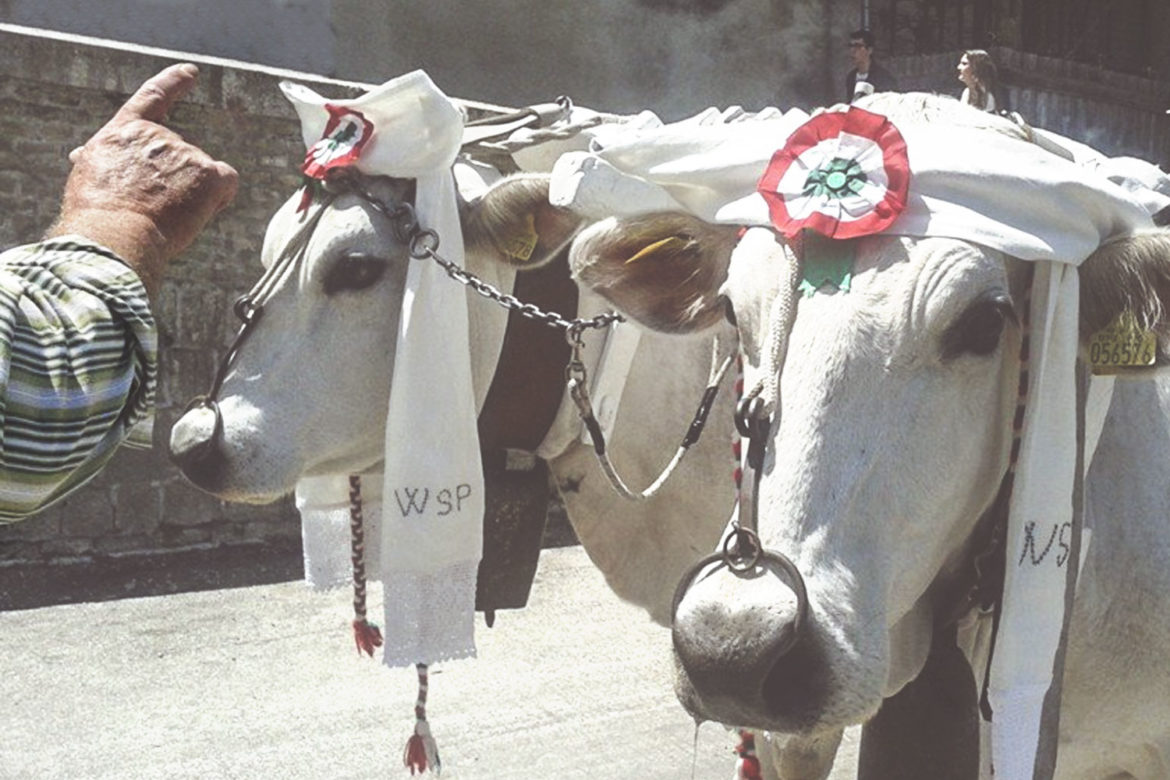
264 681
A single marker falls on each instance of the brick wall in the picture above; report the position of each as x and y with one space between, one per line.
54 92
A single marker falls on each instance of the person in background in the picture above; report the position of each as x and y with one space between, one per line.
78 343
980 81
867 76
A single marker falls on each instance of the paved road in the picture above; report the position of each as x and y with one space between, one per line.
264 682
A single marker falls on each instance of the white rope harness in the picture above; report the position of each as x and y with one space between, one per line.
780 321
577 383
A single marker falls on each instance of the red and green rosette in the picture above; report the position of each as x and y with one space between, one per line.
346 133
843 174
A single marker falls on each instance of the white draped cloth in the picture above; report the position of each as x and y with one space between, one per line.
986 188
424 512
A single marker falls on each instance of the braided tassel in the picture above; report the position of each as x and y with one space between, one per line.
747 766
736 445
422 752
365 634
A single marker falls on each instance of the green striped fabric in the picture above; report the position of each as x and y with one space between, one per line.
78 367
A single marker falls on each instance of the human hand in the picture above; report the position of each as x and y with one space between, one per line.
140 189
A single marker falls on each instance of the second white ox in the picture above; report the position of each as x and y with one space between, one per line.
307 391
897 405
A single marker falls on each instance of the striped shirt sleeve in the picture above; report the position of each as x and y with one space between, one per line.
78 367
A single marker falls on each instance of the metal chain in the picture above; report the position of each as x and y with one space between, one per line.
423 244
510 302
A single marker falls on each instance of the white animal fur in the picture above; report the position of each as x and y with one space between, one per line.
887 453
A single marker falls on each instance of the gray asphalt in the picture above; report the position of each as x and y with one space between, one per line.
264 681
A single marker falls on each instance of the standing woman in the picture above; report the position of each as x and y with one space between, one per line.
977 72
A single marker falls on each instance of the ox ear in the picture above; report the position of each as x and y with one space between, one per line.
513 221
1131 275
665 270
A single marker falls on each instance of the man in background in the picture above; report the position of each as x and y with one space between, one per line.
867 76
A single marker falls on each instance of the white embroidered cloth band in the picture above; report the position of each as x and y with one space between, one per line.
424 538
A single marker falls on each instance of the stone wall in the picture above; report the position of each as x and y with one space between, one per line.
54 92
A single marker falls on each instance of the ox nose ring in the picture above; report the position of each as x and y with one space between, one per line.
196 449
744 562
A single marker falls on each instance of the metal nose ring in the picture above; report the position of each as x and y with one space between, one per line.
788 570
201 450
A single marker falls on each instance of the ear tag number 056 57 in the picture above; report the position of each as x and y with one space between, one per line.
1120 345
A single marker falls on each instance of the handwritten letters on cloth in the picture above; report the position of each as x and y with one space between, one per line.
430 518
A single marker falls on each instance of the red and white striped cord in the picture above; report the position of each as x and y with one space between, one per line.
422 752
365 634
737 442
747 763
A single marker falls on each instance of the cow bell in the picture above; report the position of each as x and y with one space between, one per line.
516 495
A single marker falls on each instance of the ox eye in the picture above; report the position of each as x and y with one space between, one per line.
978 330
354 271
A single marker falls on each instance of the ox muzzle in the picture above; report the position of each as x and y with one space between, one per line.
740 619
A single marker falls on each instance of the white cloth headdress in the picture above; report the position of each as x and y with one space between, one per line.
974 185
424 541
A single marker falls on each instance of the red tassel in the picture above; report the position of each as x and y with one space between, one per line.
747 767
366 636
422 753
415 757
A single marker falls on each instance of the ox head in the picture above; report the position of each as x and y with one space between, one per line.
306 392
889 446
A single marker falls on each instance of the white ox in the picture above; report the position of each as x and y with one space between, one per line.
307 392
897 407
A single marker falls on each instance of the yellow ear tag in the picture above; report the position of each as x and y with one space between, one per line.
673 242
1122 344
522 243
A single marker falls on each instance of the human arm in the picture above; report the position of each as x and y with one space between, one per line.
78 367
78 354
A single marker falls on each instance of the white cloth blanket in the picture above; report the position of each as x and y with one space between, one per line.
424 538
992 190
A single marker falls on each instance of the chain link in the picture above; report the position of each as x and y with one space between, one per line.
424 244
512 303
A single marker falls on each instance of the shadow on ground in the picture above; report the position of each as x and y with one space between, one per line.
106 578
27 586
